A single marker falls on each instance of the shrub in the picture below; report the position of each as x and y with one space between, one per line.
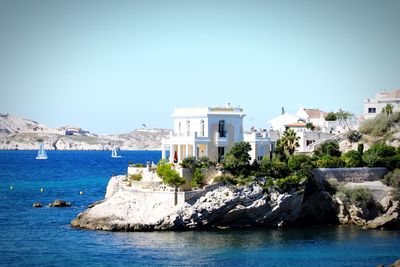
378 155
328 148
290 183
198 178
331 116
352 159
190 163
392 178
169 176
274 168
237 159
360 148
353 136
329 162
356 196
205 162
137 165
380 125
134 177
301 164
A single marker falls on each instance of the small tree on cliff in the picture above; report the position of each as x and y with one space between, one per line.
170 177
237 160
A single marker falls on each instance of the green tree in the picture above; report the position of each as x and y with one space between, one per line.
331 116
352 159
328 148
388 109
170 177
310 126
273 168
237 159
379 155
301 164
353 136
290 141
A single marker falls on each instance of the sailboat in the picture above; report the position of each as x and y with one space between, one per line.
114 153
41 153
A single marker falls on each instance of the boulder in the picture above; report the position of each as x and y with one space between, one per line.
59 204
37 205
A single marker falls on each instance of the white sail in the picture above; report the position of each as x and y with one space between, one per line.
114 153
41 153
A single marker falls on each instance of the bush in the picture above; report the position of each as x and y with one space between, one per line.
290 184
378 155
169 176
392 178
328 148
331 116
356 196
353 136
190 163
137 165
352 159
380 125
360 148
237 159
274 168
330 162
134 177
301 164
198 178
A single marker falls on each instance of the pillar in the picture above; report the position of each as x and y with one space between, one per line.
162 151
179 153
171 153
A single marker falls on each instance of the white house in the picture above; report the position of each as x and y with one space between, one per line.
208 131
373 107
261 144
323 129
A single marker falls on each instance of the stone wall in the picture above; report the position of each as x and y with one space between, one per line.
355 175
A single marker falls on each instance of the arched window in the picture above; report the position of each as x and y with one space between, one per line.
187 128
202 128
221 128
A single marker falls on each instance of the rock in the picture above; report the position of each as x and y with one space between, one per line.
396 264
37 205
389 220
59 204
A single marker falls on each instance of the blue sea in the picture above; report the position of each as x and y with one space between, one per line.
43 236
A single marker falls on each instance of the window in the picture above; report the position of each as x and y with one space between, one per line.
188 128
202 128
371 110
179 128
221 128
309 142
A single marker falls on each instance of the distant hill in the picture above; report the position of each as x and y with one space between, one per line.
25 134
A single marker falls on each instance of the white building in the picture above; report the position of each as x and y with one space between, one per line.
208 131
261 144
373 107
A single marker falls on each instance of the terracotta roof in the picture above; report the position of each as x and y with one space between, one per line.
297 124
390 95
314 112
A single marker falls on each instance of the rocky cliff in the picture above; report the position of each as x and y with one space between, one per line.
23 134
228 206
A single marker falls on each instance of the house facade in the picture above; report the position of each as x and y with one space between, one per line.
373 107
198 132
210 132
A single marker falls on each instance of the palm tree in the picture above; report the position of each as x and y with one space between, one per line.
388 109
290 141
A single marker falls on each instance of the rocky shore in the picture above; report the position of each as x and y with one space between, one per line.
229 206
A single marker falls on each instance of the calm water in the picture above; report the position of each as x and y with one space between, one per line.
43 237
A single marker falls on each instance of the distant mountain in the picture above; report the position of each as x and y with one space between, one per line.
25 134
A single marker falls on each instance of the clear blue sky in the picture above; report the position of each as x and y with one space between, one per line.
109 66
